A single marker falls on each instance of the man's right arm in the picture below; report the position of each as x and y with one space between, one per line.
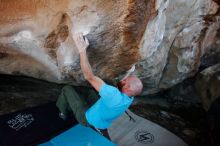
82 43
95 81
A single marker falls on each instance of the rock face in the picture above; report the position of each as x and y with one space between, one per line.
164 38
207 85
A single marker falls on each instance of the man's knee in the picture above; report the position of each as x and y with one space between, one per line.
62 101
70 93
67 88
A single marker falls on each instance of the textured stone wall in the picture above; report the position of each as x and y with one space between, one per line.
164 38
207 85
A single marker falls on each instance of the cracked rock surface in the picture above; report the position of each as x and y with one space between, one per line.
166 39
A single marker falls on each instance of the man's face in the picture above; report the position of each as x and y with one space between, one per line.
123 84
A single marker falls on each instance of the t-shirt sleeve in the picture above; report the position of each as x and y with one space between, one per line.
110 95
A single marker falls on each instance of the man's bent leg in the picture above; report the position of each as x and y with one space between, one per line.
75 103
62 103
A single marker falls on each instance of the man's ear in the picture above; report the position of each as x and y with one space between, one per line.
128 86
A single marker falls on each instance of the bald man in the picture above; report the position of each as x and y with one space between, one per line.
103 110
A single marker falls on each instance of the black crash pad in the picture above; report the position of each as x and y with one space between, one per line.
214 122
32 126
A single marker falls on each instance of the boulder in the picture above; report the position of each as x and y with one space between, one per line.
164 38
207 85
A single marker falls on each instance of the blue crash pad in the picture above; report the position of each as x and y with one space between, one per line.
79 136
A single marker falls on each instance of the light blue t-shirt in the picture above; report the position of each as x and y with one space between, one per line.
109 107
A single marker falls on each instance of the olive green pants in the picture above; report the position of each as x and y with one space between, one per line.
69 101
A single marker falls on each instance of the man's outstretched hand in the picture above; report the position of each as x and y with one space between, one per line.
81 42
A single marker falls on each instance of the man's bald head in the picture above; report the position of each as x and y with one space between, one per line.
131 86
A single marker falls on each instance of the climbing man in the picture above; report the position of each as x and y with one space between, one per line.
101 111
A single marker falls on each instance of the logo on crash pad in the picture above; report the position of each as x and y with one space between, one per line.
144 137
20 121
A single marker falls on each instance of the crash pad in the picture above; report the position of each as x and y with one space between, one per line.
141 132
32 126
124 131
79 135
